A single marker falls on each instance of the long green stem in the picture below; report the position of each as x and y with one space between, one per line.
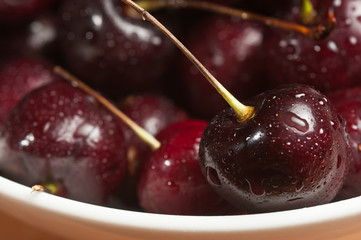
242 111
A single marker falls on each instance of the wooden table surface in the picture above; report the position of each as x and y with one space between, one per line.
13 229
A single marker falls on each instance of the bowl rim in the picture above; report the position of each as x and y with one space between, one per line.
114 217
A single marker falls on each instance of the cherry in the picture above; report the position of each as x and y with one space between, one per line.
151 112
178 152
111 50
292 153
33 149
60 137
348 103
329 64
19 77
21 10
231 50
172 181
287 149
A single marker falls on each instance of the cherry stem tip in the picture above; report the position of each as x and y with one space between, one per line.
142 133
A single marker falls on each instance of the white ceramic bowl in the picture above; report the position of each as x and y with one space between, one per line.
77 220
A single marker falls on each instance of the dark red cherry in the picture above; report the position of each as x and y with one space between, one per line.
292 153
329 64
59 136
231 50
15 11
172 181
110 50
348 103
19 77
151 112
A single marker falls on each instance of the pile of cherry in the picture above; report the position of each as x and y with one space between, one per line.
294 142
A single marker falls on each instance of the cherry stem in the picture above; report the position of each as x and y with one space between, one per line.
48 187
308 13
242 111
316 33
51 188
143 134
37 188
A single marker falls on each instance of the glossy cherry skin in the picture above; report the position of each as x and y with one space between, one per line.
151 112
172 181
110 50
330 64
293 153
348 104
231 50
59 135
19 77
